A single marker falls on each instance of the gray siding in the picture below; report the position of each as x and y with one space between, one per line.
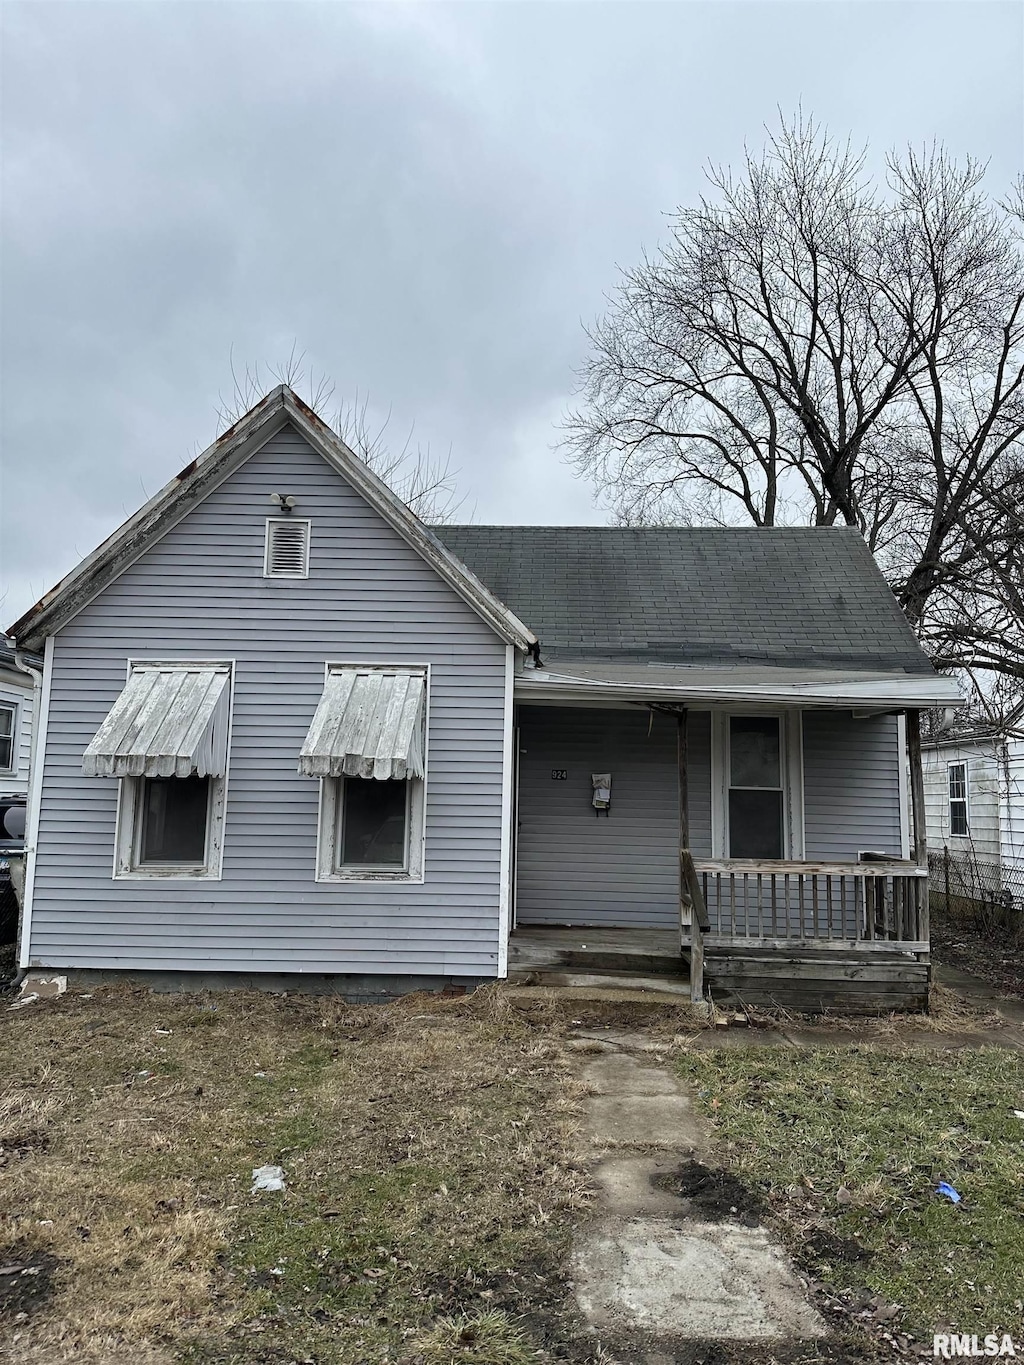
984 780
23 699
578 867
200 593
851 785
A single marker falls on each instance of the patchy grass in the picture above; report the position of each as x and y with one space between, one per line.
847 1145
428 1154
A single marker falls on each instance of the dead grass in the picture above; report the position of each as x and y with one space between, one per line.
428 1149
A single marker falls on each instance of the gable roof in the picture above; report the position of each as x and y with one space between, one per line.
810 598
280 407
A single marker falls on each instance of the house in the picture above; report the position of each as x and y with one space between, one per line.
974 806
16 704
287 731
17 701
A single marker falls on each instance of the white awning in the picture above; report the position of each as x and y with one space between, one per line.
171 720
369 723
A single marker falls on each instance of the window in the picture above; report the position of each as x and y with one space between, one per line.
371 830
173 820
373 827
755 805
286 554
958 799
170 826
8 729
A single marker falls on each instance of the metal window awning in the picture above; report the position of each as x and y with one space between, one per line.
369 723
170 721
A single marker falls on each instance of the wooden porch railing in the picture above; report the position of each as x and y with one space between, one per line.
870 904
693 921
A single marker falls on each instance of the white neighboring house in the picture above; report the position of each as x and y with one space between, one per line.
974 799
16 706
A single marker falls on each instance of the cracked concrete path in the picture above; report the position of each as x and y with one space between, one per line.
648 1263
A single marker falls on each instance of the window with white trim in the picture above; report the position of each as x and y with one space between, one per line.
8 734
170 827
755 795
286 552
371 830
958 823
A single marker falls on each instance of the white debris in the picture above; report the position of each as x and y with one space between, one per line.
267 1178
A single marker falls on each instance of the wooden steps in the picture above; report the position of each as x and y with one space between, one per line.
874 978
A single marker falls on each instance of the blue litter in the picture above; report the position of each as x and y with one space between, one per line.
944 1187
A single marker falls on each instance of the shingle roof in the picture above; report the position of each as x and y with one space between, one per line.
798 597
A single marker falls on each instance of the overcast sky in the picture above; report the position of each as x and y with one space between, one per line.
428 199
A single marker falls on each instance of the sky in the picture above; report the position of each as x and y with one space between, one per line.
428 201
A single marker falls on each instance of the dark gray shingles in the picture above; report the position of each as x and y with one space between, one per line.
703 595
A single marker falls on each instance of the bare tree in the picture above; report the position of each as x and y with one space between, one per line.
810 348
425 483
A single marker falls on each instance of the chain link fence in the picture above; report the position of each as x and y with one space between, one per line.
979 890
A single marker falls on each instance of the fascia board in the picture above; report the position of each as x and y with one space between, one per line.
895 693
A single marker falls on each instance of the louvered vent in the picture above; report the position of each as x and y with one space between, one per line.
287 553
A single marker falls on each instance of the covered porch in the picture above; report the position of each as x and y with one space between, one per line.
835 918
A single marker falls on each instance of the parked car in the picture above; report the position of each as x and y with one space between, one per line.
12 841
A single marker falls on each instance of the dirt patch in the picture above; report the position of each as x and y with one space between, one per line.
26 1282
997 956
715 1194
823 1245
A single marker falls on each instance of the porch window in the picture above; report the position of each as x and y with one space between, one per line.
755 787
958 799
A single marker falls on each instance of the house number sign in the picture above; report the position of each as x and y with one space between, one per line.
559 774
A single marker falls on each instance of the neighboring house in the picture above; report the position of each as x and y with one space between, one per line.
974 801
288 730
16 705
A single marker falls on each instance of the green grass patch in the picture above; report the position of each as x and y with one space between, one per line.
847 1145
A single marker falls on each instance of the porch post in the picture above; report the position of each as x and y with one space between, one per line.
684 829
688 905
918 811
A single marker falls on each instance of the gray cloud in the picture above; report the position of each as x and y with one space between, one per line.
427 198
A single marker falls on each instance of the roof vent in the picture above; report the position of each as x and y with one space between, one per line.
287 549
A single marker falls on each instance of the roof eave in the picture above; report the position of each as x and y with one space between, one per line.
910 691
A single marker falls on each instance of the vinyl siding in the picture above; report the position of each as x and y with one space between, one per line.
200 593
851 785
578 868
983 789
16 781
1012 812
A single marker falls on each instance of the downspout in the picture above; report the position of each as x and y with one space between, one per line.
37 697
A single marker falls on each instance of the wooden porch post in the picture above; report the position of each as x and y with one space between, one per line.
918 810
687 907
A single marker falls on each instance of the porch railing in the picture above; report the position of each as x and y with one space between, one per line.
870 904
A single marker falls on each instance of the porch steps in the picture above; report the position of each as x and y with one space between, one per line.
674 986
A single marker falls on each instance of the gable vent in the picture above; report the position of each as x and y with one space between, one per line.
287 550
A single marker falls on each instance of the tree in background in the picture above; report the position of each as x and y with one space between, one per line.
809 348
425 483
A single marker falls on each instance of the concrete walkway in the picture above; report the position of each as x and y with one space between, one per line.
650 1271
